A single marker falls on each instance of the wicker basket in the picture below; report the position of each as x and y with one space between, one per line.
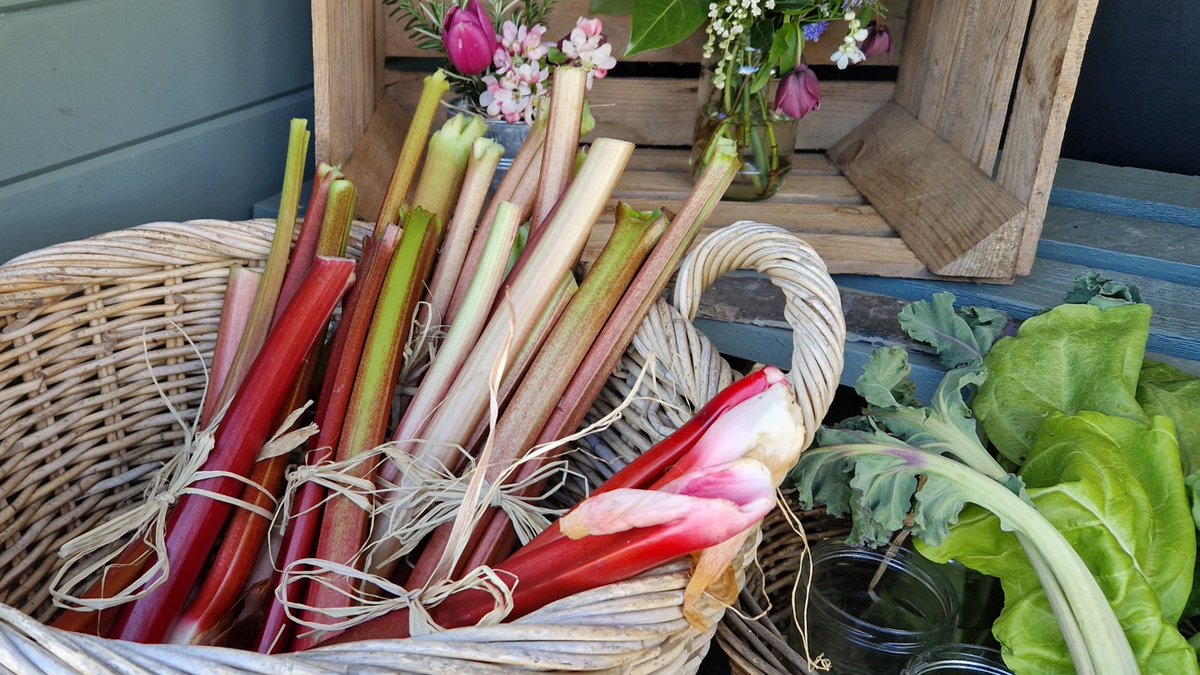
83 427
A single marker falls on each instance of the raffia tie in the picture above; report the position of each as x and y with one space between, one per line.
389 597
147 520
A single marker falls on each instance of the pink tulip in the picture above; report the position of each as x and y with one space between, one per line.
469 38
799 93
879 40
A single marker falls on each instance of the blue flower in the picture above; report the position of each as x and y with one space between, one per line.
814 31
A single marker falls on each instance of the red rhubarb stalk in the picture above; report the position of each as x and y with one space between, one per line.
651 467
196 520
300 536
310 232
618 535
209 612
343 523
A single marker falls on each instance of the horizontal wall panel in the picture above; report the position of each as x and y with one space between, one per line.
215 169
88 76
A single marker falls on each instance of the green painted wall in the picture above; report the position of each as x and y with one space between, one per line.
120 112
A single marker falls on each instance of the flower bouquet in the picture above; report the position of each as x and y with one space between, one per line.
750 42
498 61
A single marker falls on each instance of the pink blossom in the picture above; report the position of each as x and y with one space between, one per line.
588 49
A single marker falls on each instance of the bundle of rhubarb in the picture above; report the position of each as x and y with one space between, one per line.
465 351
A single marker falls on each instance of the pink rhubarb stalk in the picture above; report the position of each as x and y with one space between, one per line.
235 314
562 140
196 520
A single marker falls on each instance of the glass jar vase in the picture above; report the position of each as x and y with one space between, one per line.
736 100
958 659
871 613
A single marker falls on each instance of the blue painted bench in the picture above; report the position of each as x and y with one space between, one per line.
1138 226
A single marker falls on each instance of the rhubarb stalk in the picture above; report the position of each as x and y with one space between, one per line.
485 155
432 90
240 291
463 333
617 535
530 292
646 288
518 187
196 519
562 140
304 521
310 232
272 280
446 164
343 523
210 610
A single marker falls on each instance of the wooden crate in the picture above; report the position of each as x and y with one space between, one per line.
945 171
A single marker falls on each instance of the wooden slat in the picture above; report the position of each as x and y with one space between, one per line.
662 111
957 74
566 12
938 200
148 182
83 78
347 69
1126 191
1054 52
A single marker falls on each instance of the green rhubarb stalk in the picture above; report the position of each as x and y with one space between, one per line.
344 524
510 325
461 339
446 164
646 288
518 187
562 140
485 156
432 91
544 382
272 280
463 332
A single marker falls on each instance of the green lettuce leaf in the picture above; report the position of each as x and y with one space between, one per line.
1114 488
1163 390
1068 360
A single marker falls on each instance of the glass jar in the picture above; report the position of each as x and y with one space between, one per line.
742 110
872 626
958 659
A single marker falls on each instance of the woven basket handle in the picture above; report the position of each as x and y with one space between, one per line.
812 306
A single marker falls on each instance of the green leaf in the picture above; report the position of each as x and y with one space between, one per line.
785 47
960 338
884 382
1112 486
663 23
612 7
1163 390
1093 289
1070 359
